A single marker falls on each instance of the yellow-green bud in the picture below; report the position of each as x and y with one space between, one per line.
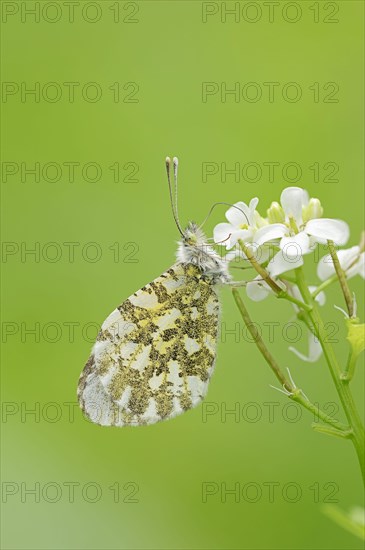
356 335
259 220
313 210
275 213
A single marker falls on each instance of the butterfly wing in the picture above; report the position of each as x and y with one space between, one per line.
155 353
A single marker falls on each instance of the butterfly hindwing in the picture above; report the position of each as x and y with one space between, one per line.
155 353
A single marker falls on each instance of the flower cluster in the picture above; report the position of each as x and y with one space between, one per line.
292 229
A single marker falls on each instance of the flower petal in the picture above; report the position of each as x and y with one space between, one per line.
346 257
292 200
328 229
295 292
282 263
257 289
361 269
258 220
235 255
295 246
238 215
270 232
358 268
325 268
262 253
240 234
252 208
320 298
315 350
222 233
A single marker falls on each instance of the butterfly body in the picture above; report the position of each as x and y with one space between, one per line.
155 353
192 249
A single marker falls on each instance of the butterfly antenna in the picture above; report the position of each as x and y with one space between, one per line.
227 204
175 162
173 200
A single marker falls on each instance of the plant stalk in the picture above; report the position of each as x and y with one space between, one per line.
291 391
342 387
342 279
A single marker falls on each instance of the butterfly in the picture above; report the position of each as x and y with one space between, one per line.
155 353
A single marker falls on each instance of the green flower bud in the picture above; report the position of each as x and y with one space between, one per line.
259 220
356 335
275 213
313 210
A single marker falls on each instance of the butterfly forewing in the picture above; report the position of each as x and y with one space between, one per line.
155 353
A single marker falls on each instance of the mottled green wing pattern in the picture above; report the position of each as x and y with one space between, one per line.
155 353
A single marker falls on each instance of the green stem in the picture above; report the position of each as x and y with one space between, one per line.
342 279
304 317
293 393
280 293
342 387
260 343
286 277
260 270
290 298
334 277
339 426
324 285
346 434
350 367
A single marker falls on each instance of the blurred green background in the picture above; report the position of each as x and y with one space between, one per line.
149 61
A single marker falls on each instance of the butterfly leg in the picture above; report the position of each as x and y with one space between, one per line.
236 284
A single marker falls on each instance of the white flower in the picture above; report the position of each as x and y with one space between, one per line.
242 224
300 231
281 262
351 260
258 289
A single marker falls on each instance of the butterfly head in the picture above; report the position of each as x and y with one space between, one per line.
193 235
194 249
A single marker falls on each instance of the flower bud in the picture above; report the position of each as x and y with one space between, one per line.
313 210
356 335
275 213
259 220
